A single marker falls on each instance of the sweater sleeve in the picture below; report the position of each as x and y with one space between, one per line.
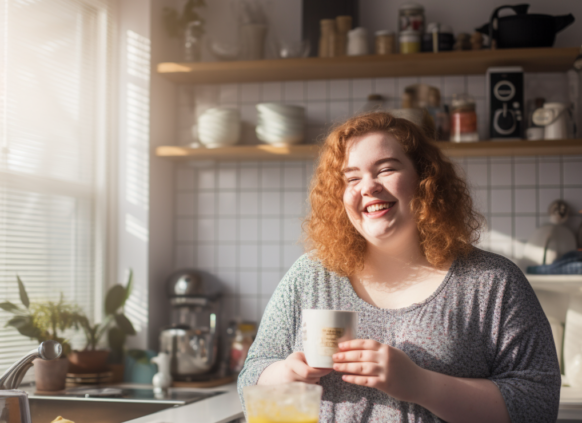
525 364
278 328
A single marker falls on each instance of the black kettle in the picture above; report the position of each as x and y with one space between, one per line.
523 30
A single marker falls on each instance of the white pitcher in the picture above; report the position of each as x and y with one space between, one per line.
554 118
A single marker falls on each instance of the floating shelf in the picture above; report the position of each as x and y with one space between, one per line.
310 151
418 64
564 284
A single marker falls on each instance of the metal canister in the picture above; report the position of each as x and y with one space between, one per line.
411 17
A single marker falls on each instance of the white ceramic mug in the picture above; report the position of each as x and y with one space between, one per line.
323 330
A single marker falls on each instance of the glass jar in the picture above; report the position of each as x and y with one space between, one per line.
243 339
411 17
463 119
384 42
409 42
193 42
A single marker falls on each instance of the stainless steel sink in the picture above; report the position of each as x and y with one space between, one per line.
82 411
109 404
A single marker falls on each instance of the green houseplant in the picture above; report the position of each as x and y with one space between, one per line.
116 325
45 320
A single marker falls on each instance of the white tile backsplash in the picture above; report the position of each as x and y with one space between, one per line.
242 220
339 89
317 90
271 91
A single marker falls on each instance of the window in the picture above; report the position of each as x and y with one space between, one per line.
55 91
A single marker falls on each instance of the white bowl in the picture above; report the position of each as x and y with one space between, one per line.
281 127
280 109
279 139
213 137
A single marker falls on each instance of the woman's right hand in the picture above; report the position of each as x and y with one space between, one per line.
293 369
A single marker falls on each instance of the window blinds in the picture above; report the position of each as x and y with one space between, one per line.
54 86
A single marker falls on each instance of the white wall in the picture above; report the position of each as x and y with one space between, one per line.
133 150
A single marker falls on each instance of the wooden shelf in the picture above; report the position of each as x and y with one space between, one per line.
310 151
241 152
418 64
564 284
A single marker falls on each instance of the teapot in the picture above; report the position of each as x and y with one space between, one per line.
14 407
523 30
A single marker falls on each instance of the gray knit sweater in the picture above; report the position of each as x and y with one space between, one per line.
483 321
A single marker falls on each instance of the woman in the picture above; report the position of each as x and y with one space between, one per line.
447 331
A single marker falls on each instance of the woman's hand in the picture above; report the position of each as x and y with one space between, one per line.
369 363
293 369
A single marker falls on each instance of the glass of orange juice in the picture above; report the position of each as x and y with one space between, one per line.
294 402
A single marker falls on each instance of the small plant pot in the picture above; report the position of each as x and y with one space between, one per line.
50 375
88 361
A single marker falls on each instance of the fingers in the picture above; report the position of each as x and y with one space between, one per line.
360 380
357 355
296 363
365 369
360 344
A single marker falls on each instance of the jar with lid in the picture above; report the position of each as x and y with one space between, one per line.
384 42
409 42
411 17
357 42
463 119
243 339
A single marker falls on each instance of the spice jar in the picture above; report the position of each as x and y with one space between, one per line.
411 17
384 42
463 119
243 339
327 38
409 42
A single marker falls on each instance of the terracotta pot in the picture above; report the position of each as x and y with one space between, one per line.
50 375
88 361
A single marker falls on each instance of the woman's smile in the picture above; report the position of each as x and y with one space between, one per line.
376 209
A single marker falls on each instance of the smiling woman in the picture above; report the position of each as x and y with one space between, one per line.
446 331
441 203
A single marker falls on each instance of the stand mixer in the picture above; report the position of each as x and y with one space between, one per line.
192 341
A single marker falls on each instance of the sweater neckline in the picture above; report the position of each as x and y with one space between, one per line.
357 299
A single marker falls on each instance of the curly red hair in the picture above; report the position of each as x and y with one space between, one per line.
447 223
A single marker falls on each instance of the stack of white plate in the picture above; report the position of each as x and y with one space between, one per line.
219 127
280 124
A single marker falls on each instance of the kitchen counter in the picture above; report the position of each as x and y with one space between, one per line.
227 407
219 409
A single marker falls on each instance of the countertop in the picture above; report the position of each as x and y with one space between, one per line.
219 409
227 407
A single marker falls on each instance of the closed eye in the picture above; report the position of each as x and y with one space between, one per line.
388 169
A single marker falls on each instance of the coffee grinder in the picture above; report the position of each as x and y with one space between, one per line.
193 339
505 102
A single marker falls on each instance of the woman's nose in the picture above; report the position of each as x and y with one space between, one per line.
371 186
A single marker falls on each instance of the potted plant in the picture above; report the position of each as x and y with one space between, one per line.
116 325
45 320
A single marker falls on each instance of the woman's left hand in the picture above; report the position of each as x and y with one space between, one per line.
369 363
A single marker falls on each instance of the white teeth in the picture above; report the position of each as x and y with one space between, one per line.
376 207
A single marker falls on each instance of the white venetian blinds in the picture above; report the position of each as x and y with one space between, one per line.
54 126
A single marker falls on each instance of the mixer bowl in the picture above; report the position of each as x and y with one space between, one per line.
192 351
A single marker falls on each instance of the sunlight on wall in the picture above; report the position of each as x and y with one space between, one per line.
138 58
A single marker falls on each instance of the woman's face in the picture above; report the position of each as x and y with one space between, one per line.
380 184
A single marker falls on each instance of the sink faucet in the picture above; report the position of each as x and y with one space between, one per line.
47 350
14 407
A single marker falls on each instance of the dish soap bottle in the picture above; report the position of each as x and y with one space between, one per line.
162 380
